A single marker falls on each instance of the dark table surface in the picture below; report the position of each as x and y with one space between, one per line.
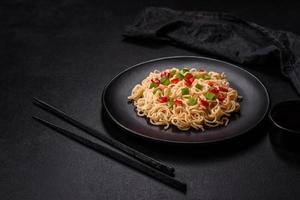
65 52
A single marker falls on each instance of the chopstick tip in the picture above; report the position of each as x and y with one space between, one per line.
36 99
36 118
40 120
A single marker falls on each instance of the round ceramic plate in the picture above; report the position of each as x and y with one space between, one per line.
254 105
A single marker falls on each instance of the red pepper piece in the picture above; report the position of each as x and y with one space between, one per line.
156 81
222 89
165 74
188 84
204 103
221 98
163 99
178 102
189 79
210 83
214 90
175 80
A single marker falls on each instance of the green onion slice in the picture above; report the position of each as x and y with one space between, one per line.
180 76
153 85
192 101
184 70
209 96
172 73
164 81
198 86
185 91
206 77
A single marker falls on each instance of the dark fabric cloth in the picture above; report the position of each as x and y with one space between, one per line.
222 35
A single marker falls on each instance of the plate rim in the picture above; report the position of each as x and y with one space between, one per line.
183 142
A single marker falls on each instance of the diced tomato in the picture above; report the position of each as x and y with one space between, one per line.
214 90
175 80
163 99
221 98
188 84
210 83
203 103
156 81
189 79
165 74
222 89
178 102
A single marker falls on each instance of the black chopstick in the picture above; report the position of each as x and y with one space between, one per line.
132 152
119 157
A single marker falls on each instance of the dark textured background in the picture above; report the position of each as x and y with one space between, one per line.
65 52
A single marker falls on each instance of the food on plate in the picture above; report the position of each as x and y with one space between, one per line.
186 98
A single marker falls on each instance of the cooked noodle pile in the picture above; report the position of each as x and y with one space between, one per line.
185 98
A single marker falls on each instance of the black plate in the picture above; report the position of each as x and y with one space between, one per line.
254 106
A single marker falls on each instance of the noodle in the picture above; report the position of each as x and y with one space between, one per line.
185 98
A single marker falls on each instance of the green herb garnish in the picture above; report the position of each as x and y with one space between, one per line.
198 86
164 81
184 70
192 101
153 85
180 76
206 77
197 76
170 102
172 73
185 91
209 96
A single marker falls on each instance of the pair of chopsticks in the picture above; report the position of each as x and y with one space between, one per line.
135 159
